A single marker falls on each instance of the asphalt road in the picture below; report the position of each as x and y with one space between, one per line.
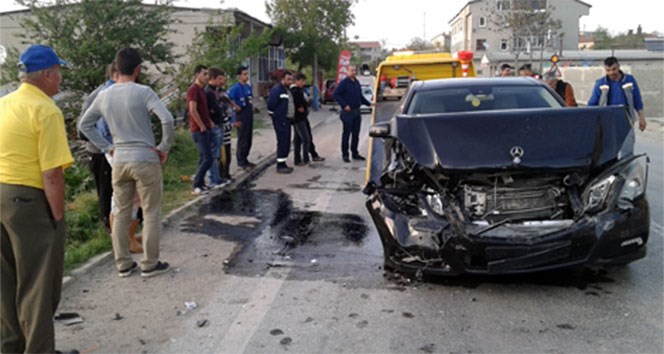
292 263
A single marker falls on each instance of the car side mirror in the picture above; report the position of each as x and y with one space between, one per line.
380 130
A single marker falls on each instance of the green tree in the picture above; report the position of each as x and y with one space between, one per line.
418 43
221 46
313 31
529 25
88 33
629 40
602 38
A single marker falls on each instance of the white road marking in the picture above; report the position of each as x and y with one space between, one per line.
657 228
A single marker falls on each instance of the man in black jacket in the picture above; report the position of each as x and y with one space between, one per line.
302 134
349 96
297 141
282 110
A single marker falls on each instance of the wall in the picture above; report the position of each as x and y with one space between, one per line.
648 75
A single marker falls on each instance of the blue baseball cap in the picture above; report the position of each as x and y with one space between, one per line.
39 57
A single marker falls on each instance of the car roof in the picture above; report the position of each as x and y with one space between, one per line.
470 82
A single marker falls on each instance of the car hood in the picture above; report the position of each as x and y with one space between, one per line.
546 138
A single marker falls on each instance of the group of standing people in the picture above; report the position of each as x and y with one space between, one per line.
213 113
288 108
615 88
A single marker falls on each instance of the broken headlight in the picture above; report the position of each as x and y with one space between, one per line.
627 181
636 176
598 192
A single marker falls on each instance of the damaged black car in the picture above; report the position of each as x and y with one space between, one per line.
497 176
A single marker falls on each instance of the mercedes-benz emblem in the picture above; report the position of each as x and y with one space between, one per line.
517 153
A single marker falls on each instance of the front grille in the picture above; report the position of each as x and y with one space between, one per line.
514 203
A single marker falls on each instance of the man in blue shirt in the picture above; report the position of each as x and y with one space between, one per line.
241 94
349 96
618 88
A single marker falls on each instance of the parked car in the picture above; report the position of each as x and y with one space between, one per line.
495 176
367 92
328 91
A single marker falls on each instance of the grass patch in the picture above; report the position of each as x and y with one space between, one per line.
77 253
86 236
182 163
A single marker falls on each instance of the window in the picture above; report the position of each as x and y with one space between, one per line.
480 44
272 61
451 100
503 44
482 22
503 5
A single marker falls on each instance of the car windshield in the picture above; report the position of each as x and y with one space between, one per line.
450 100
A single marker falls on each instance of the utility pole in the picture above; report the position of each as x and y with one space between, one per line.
424 26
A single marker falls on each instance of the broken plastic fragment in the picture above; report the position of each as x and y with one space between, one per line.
68 318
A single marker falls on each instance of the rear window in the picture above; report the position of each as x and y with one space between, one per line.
451 100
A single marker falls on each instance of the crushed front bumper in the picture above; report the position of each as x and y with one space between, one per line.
427 242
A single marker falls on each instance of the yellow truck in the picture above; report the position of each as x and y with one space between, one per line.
400 69
394 76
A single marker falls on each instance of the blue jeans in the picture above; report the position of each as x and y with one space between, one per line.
203 144
217 135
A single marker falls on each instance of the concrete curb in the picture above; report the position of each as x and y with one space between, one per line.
243 177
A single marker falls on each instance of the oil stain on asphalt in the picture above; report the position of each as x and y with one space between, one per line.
270 232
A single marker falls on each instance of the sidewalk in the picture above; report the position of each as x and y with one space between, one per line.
654 129
263 154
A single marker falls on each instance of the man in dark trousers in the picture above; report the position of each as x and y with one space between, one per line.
241 94
282 110
302 114
99 166
302 141
217 115
349 96
33 155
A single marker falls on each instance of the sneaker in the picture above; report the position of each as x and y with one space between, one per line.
359 157
161 267
216 186
317 159
127 272
199 191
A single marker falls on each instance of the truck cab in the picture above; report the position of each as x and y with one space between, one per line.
399 70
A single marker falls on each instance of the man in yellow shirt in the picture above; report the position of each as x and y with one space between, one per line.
33 155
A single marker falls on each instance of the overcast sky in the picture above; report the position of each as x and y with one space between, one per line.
398 21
